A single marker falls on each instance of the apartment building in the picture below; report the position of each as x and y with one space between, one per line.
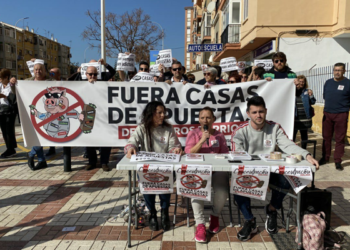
188 37
30 45
312 33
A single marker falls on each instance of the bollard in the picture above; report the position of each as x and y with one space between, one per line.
67 159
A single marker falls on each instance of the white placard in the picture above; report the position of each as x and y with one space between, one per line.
142 77
204 67
152 156
298 176
126 62
164 57
154 70
155 178
228 64
267 64
241 65
194 181
84 67
30 65
250 181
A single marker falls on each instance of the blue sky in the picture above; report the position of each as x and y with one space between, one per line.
67 19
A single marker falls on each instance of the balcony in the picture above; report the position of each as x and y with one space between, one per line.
231 34
207 31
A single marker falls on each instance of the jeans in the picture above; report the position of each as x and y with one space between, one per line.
150 200
277 180
104 157
39 151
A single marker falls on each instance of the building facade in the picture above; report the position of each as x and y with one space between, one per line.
30 45
188 37
255 29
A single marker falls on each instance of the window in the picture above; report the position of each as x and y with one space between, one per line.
20 52
30 52
8 64
27 52
0 30
8 48
188 39
13 64
245 14
7 32
19 39
1 48
236 9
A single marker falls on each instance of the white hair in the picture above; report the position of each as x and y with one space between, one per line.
212 70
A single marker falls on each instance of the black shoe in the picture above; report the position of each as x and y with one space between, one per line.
323 161
85 156
164 219
52 151
248 229
90 166
271 221
30 162
8 153
153 222
40 165
338 166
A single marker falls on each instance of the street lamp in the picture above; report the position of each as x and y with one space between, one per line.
162 32
85 54
16 44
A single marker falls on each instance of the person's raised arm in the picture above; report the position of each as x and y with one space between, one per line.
121 74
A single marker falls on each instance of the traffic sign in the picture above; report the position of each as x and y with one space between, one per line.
204 47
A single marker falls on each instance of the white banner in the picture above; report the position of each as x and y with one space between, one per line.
165 57
194 181
84 67
250 181
107 113
30 65
126 62
298 176
155 178
142 77
228 64
267 64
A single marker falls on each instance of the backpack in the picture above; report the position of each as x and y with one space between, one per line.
314 227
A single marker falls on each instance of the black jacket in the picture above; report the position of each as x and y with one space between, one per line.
105 76
288 71
203 81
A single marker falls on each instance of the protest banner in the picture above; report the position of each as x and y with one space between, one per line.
84 67
154 70
228 64
165 57
30 65
142 77
126 62
250 181
298 176
267 64
112 110
194 181
155 178
204 67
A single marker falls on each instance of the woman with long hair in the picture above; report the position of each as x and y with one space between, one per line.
304 112
206 139
155 134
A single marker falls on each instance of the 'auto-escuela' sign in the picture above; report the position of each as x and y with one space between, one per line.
204 47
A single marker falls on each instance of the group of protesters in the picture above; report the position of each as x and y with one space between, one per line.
256 136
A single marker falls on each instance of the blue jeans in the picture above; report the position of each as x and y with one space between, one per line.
150 200
39 151
277 180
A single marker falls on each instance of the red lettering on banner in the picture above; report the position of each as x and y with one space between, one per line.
145 168
183 169
281 169
240 169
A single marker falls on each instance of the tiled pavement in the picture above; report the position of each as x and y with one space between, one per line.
36 206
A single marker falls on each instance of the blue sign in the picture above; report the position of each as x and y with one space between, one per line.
204 47
153 54
263 49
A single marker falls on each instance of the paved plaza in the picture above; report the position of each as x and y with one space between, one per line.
36 206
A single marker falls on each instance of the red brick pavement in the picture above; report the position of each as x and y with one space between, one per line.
37 183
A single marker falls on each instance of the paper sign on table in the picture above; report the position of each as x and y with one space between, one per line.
155 178
126 62
298 176
152 156
250 181
84 67
194 181
165 57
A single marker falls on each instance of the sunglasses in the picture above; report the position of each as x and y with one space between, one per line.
231 82
277 61
191 79
54 95
144 69
176 69
92 74
206 74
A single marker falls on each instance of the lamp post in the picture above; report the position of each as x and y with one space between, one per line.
103 37
85 54
162 32
16 44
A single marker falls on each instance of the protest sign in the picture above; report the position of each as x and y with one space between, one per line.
155 178
154 70
142 77
194 181
30 65
241 65
84 67
298 176
119 106
204 67
126 62
228 64
250 181
152 156
267 64
164 57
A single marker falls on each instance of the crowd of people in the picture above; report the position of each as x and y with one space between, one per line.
256 136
